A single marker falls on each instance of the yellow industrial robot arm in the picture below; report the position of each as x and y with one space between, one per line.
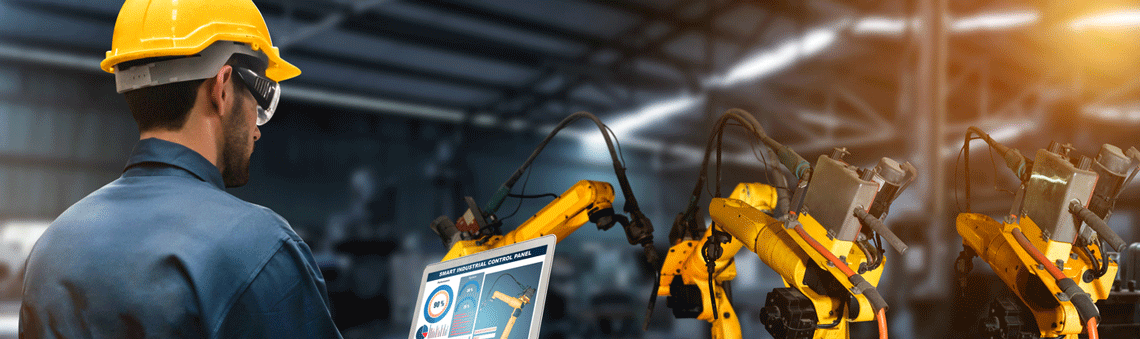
688 231
827 274
516 304
1043 250
789 252
587 200
684 278
479 229
684 274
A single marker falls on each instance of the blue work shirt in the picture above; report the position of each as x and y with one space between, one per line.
164 251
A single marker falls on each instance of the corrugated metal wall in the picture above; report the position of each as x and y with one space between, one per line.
62 135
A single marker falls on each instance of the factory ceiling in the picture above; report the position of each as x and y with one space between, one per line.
818 73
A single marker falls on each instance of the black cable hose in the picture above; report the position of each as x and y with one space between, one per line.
619 167
1097 264
873 256
519 206
639 230
491 297
838 316
877 226
800 167
790 159
882 251
777 180
521 286
1013 158
1103 232
1103 261
780 182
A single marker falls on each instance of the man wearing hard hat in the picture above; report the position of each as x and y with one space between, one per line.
164 251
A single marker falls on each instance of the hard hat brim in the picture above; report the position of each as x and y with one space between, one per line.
277 70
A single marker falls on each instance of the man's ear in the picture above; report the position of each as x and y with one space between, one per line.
221 90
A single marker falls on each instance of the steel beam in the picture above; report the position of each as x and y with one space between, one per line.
668 16
428 75
931 105
705 25
553 31
621 64
465 43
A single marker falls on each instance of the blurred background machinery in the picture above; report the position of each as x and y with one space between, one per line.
433 96
1052 249
832 207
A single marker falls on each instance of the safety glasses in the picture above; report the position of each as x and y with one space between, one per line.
267 92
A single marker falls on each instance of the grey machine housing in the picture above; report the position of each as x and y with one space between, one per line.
835 191
1052 185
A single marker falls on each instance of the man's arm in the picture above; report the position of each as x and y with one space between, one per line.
287 299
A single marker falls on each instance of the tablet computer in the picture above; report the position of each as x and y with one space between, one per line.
497 293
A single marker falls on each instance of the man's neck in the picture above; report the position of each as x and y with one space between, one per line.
191 136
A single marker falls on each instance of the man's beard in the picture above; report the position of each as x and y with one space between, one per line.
235 154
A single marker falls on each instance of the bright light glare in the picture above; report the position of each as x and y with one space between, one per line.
769 62
1008 133
1129 115
820 119
875 25
1112 19
759 65
1061 181
995 21
880 25
10 323
659 110
596 145
1005 132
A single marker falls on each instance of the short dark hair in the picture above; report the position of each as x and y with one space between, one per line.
167 107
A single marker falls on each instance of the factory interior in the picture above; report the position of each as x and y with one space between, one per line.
406 107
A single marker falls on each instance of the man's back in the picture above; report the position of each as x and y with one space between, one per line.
164 251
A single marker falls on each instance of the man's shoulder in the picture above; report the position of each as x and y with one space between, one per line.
146 210
217 236
180 196
208 248
267 221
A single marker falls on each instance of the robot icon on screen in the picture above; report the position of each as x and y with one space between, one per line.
515 304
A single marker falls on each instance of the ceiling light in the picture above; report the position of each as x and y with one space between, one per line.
880 26
1129 18
1004 131
660 110
995 21
1126 114
770 61
626 123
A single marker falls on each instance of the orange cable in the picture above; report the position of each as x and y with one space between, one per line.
882 317
882 314
823 250
1037 255
1053 270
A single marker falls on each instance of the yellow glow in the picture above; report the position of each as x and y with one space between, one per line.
996 21
1117 19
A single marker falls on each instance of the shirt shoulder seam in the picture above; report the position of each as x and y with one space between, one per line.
246 285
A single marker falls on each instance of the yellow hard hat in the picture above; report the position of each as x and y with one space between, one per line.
150 28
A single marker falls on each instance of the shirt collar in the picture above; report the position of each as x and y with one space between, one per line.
153 150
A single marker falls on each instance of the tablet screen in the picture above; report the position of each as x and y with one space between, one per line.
487 294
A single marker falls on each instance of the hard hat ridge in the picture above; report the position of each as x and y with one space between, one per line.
202 65
157 28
